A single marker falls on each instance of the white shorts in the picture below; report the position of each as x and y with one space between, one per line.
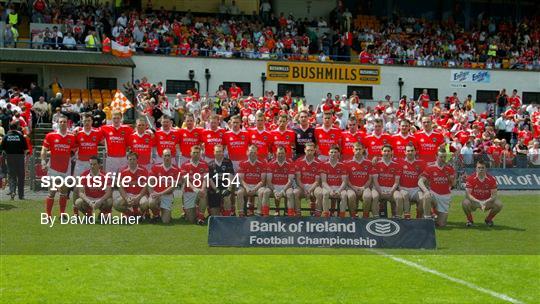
52 172
250 187
189 199
114 164
278 188
443 201
414 193
80 167
166 201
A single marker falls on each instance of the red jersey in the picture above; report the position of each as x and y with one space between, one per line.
334 174
116 139
237 145
253 173
347 143
374 144
386 173
262 139
60 147
481 189
159 171
87 143
463 137
235 92
142 145
134 186
88 180
428 145
515 102
280 173
286 138
188 139
399 143
188 171
359 172
308 171
210 139
326 139
424 100
439 178
410 173
166 140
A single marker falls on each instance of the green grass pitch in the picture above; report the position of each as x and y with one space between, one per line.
150 263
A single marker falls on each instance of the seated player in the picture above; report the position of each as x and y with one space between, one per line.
93 198
135 194
195 175
359 170
308 181
279 182
334 182
386 176
252 174
221 172
481 192
436 182
411 168
161 196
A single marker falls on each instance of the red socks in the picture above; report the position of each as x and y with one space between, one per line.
265 210
365 214
291 212
490 216
342 214
49 202
469 217
63 203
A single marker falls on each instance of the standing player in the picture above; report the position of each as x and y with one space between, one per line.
220 171
375 142
436 182
261 138
252 174
428 141
334 182
142 142
166 137
308 181
359 170
284 137
481 192
411 169
279 182
91 198
305 133
236 141
161 196
195 176
327 136
116 138
349 138
189 136
403 139
60 144
386 176
134 195
212 137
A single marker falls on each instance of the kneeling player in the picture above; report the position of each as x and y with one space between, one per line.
221 171
279 182
195 175
93 196
440 177
133 195
359 170
386 175
481 192
307 179
411 168
334 183
252 174
161 195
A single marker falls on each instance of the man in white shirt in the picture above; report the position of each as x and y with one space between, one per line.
69 42
467 154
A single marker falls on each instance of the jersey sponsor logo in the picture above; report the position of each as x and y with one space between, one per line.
383 227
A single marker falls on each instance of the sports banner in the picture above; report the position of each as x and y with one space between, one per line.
320 232
514 178
470 76
323 72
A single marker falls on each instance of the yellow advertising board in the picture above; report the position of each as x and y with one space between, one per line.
323 72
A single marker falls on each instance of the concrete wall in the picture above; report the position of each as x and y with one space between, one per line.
304 8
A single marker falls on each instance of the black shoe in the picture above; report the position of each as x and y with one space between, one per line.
201 222
12 196
156 219
489 223
65 217
470 224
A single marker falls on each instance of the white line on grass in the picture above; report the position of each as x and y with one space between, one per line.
492 293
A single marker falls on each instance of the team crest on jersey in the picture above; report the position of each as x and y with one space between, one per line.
208 136
434 139
69 141
287 137
242 137
332 135
94 138
265 137
123 133
111 133
298 135
405 167
146 140
56 140
82 138
173 137
421 139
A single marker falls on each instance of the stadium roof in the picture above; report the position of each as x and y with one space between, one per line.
72 58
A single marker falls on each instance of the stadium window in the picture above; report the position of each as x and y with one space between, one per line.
178 86
245 86
102 83
486 95
530 97
297 90
433 93
361 91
